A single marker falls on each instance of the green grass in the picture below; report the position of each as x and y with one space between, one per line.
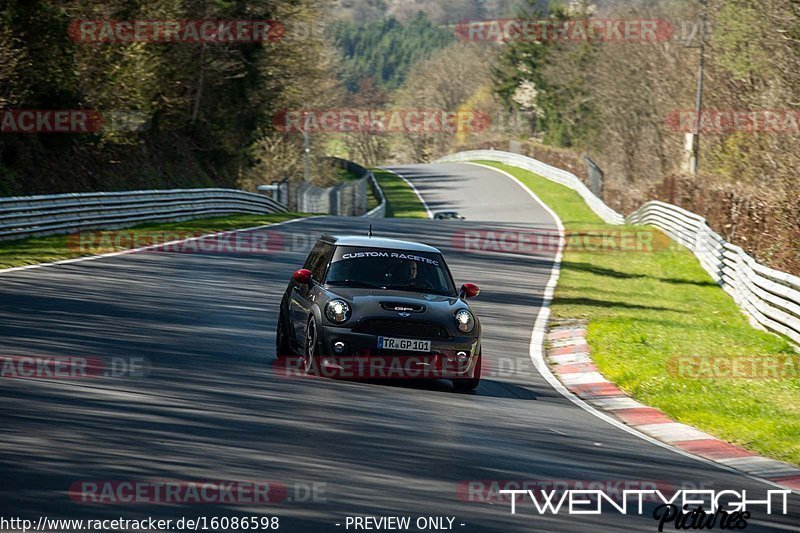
57 248
644 308
401 201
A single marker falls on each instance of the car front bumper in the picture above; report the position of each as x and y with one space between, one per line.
360 358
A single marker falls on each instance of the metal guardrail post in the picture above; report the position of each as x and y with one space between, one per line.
344 199
596 177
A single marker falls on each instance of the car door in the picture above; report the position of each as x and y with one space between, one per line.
300 297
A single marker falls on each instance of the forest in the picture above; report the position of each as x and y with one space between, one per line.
175 113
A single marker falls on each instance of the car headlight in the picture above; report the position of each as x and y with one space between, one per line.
465 321
337 311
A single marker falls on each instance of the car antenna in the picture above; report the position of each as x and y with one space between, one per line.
370 231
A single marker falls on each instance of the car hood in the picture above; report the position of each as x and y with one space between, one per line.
421 306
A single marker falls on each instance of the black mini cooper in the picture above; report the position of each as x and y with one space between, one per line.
375 308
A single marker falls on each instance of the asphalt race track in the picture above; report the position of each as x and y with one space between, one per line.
213 407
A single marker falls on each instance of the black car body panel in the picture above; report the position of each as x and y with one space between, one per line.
393 290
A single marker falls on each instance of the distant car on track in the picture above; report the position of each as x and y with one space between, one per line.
368 307
449 215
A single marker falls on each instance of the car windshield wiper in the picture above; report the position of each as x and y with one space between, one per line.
354 283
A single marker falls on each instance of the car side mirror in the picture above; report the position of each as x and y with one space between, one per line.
469 290
302 276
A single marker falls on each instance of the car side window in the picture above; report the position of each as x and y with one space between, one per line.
318 259
312 256
318 273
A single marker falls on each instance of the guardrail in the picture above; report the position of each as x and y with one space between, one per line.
347 198
380 210
770 298
29 216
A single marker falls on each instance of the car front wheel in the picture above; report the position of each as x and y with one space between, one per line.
282 347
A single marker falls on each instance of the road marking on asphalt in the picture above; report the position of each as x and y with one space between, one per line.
421 199
143 248
536 347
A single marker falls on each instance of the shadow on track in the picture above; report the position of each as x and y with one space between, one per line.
488 388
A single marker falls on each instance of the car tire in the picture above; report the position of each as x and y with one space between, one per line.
311 350
469 385
283 348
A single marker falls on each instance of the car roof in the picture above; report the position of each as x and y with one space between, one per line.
379 242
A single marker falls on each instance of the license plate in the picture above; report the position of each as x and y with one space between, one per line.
412 345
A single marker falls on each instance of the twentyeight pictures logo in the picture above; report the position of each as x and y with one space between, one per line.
497 491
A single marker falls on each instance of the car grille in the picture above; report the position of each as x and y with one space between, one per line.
400 306
401 328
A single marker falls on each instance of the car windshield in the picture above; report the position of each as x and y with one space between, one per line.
390 269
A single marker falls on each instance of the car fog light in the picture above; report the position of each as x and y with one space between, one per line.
462 357
338 347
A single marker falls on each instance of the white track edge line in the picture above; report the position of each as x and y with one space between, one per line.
537 348
143 248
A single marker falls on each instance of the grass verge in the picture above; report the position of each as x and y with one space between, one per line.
401 201
648 309
57 247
